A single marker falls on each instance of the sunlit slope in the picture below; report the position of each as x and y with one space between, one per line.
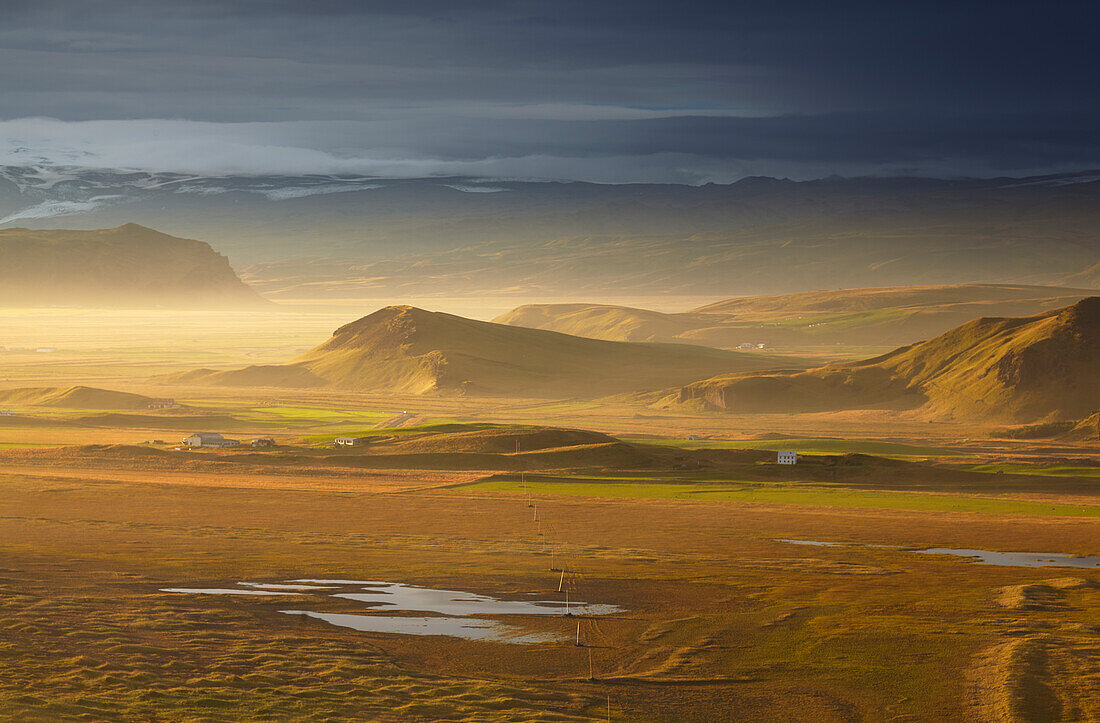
1087 429
402 349
128 266
1016 369
73 398
878 316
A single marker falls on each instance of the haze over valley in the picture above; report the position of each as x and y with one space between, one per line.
529 361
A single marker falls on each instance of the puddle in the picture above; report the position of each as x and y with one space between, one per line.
453 607
283 586
396 596
1017 559
467 628
225 591
984 557
343 582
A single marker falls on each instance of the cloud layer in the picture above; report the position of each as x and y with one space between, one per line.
602 91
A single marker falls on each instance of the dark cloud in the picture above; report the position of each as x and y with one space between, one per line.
926 87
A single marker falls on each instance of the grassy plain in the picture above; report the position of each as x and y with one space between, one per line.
720 621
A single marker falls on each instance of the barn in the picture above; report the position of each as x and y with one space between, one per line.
209 439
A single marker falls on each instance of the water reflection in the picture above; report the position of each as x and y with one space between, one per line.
467 628
983 557
453 608
397 596
1017 559
224 591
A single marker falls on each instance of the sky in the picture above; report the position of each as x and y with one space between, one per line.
640 91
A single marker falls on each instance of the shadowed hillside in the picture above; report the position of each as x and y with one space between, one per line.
1007 369
128 266
407 350
73 398
884 316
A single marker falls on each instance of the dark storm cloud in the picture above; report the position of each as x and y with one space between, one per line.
703 90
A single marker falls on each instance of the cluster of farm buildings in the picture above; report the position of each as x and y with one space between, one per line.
213 439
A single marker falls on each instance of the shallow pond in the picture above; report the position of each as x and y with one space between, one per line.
396 596
452 606
224 591
467 628
1017 559
983 557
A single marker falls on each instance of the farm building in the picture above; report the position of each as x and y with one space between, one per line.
350 441
209 439
786 457
263 442
163 404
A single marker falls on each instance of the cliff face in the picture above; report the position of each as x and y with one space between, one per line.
128 266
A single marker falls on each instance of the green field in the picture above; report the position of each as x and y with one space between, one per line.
1054 471
750 492
808 445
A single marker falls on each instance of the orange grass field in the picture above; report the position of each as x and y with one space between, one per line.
718 620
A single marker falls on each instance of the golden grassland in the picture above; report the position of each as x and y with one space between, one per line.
720 620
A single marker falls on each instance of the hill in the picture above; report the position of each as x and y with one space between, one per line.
73 398
401 349
1011 369
128 266
873 317
388 238
1087 429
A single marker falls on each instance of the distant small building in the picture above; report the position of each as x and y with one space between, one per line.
350 441
163 404
209 439
46 349
263 442
786 457
746 345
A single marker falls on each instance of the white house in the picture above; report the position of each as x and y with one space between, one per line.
786 457
209 439
263 442
350 441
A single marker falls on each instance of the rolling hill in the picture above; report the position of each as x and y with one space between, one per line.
1005 369
872 317
402 349
128 266
73 398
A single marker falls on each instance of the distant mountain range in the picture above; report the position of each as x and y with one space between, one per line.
128 266
401 349
889 316
317 236
1010 369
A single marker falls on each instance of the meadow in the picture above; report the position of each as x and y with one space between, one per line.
719 618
